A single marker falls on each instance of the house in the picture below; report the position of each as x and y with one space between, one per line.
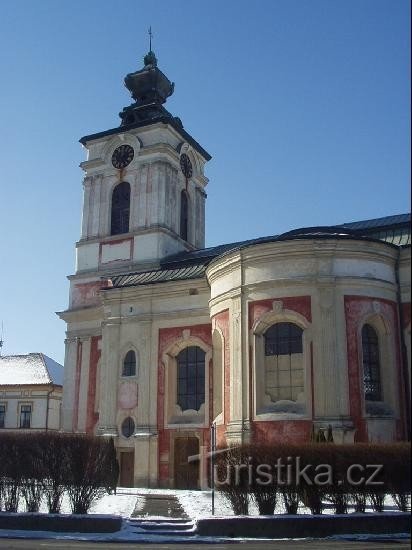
31 389
270 339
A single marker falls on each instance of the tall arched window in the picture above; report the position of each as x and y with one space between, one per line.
371 364
191 378
184 215
129 364
120 209
284 362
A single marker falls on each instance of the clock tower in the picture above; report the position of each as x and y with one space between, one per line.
144 184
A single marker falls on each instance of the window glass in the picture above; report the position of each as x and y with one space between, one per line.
2 415
284 375
184 215
283 339
371 364
120 209
191 378
129 364
128 426
25 416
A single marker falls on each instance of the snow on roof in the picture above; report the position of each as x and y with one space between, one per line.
34 368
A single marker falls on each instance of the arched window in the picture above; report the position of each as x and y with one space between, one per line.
184 215
371 364
129 364
191 378
120 209
128 427
284 362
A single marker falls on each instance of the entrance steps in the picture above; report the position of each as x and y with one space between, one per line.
165 527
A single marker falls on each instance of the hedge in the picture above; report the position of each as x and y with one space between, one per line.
338 475
46 465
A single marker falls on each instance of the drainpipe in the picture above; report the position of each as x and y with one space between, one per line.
47 407
403 353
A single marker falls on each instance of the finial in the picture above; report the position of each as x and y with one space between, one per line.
150 58
150 38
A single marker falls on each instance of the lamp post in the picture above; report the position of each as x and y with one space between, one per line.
212 463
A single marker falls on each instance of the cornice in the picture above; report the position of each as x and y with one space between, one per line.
257 254
166 289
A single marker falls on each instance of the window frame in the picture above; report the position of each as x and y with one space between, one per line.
120 227
373 368
3 415
173 416
131 421
21 405
285 339
261 404
184 215
133 372
184 370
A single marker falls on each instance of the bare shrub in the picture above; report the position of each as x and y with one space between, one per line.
92 471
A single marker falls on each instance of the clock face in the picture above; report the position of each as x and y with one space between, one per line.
186 166
122 156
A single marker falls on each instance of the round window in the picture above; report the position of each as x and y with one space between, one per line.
128 427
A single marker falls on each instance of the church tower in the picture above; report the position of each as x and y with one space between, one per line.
144 200
144 183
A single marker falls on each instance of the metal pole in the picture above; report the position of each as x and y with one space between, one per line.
212 463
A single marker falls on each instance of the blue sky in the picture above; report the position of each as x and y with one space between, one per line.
304 106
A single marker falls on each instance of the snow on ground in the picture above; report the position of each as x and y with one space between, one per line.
196 504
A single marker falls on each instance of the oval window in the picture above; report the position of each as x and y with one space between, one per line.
128 427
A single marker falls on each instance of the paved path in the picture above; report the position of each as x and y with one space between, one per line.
25 544
166 506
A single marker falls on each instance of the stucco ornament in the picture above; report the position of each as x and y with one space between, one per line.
277 306
128 395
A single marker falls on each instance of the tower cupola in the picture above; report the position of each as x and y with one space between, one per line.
150 88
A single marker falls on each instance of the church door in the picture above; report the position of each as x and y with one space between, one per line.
127 469
186 473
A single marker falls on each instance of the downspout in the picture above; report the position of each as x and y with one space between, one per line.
403 352
47 407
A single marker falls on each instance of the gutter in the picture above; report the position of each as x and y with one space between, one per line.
47 406
403 351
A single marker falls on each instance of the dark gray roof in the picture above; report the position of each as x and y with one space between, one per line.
394 230
165 120
388 221
159 276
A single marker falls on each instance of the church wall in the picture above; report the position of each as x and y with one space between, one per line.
305 283
220 322
389 425
170 341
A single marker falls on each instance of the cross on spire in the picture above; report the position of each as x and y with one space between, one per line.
150 38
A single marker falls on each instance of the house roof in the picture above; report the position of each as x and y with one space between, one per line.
185 265
30 369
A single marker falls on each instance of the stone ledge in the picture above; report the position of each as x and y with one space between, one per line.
282 526
60 523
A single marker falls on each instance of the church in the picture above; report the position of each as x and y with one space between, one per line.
270 340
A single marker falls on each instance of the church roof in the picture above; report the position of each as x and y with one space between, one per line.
33 368
394 230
